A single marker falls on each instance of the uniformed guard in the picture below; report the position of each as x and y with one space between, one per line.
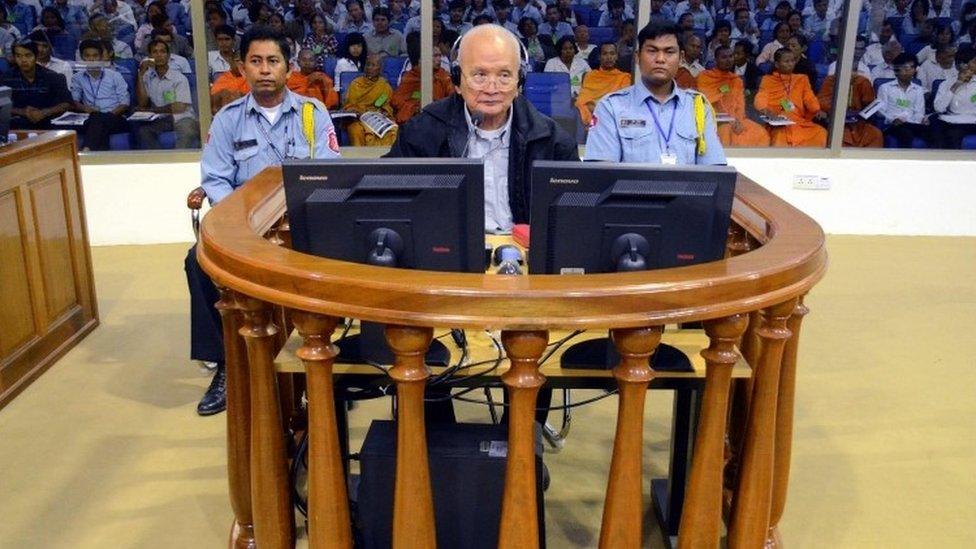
654 120
261 129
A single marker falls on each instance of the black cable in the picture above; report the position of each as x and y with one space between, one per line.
550 408
296 464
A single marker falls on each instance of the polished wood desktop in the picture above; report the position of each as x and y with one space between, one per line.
47 295
750 305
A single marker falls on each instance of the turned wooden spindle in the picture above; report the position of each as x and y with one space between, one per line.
238 420
752 500
784 424
274 521
329 524
519 528
623 509
701 517
413 502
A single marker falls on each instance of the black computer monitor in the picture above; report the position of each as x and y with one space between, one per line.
407 213
5 105
600 217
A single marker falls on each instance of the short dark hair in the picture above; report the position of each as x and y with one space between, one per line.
413 48
657 29
155 41
501 4
562 42
738 11
27 44
903 58
456 5
263 33
225 30
482 19
607 43
91 44
964 56
615 4
39 36
746 46
381 11
781 52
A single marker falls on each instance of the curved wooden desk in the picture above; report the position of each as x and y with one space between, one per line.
752 302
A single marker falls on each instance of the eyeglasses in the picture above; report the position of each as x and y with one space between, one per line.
480 79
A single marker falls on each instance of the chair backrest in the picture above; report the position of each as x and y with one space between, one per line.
4 65
599 35
64 46
329 65
896 23
936 84
124 66
345 79
878 82
817 51
549 92
392 66
593 18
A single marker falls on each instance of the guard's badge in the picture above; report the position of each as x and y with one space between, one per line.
632 123
333 140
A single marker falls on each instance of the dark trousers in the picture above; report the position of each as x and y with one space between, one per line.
187 133
904 133
206 332
950 136
100 126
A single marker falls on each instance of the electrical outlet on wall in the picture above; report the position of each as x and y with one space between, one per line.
811 183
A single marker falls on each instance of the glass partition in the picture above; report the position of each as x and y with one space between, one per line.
122 74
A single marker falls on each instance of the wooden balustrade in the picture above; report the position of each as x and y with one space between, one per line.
750 304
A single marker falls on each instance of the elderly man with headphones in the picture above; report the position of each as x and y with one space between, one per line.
489 119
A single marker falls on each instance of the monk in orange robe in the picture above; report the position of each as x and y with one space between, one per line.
690 69
860 133
370 92
228 87
406 98
311 82
725 90
608 78
783 93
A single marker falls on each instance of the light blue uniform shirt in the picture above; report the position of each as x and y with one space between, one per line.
242 142
105 92
624 130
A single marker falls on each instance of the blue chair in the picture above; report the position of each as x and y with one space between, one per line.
549 92
328 67
969 143
599 35
340 40
917 143
766 68
392 66
129 65
345 79
593 19
896 23
583 14
120 142
817 51
167 140
64 45
879 82
4 65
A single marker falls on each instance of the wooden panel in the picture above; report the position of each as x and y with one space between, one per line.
47 296
16 315
54 244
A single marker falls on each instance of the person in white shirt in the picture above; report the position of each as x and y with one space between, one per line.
957 97
220 61
942 35
782 34
583 46
873 54
892 50
567 61
45 59
818 23
744 28
943 67
903 104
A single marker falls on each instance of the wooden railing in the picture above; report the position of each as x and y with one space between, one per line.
750 302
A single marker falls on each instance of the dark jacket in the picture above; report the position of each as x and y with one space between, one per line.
441 131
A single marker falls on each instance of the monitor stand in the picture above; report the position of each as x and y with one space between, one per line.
369 345
600 354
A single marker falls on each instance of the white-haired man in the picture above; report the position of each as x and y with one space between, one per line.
489 119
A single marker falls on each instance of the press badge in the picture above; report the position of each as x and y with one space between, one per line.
669 158
787 105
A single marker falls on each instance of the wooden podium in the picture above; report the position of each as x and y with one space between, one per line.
750 303
47 293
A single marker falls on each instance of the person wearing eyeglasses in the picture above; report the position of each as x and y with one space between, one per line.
489 119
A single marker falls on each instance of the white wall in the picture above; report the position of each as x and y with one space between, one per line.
146 203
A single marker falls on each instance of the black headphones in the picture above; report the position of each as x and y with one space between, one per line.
456 65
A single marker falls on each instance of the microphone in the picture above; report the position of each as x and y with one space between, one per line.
477 118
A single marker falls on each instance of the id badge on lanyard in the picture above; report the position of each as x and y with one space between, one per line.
668 157
271 143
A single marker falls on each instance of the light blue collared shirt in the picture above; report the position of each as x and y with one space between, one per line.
238 146
624 130
105 93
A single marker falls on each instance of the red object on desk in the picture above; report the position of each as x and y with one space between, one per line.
520 233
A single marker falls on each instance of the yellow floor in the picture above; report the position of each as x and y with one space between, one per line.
105 450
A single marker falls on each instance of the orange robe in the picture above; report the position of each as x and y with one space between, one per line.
406 98
726 92
861 133
596 84
776 92
366 95
226 88
685 79
323 90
